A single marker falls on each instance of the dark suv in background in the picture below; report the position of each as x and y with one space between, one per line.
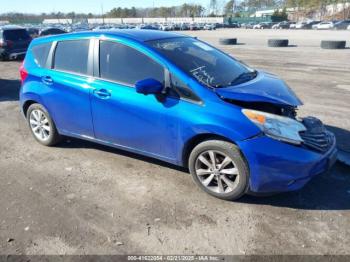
14 42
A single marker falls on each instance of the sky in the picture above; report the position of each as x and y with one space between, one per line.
85 6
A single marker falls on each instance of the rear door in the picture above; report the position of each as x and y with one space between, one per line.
68 100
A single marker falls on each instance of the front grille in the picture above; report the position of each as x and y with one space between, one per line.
316 137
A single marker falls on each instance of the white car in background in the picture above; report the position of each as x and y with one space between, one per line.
166 27
349 27
209 27
315 26
324 25
300 25
292 26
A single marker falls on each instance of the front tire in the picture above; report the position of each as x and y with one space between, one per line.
41 125
219 169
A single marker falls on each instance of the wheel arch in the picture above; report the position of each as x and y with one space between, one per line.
196 140
27 104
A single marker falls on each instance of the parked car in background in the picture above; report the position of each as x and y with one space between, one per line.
14 42
166 27
209 27
249 25
342 25
51 31
349 27
194 27
292 26
282 25
263 25
33 32
300 25
232 25
184 26
177 99
324 25
310 24
102 27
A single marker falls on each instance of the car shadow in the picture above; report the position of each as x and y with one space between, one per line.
342 136
69 143
9 89
328 191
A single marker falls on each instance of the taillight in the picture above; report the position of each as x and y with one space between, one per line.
6 43
23 72
3 43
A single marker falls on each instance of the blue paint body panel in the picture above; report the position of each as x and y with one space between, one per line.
160 127
265 88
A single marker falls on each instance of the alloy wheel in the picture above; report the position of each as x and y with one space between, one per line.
217 171
40 125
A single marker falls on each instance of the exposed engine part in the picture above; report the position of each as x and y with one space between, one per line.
288 111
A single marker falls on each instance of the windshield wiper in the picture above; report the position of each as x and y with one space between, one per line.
244 77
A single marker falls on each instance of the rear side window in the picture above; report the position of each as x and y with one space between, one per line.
126 65
16 34
40 53
72 56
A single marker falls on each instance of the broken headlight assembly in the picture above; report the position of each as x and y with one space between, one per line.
277 127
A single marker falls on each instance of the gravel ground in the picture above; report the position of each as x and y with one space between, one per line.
83 198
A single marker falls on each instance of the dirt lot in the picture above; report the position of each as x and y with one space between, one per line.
82 198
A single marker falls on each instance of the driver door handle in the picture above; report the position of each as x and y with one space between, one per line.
47 80
102 93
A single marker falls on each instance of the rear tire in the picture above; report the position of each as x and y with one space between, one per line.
228 41
42 126
228 177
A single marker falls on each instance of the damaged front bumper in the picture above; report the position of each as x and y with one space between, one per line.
279 167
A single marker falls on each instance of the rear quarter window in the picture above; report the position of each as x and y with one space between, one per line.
40 53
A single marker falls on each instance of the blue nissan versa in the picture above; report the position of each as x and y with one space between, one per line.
178 99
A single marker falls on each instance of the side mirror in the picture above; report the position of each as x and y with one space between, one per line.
149 86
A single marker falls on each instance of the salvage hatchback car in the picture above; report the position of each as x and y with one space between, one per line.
177 99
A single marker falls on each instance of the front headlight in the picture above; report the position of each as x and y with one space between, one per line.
277 127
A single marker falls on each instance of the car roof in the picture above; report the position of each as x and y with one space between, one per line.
140 35
11 27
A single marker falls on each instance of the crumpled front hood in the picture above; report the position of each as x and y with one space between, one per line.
264 88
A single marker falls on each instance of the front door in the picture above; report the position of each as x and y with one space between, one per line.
142 123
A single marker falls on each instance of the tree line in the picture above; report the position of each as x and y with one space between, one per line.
215 8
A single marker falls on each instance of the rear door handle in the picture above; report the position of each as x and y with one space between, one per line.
47 80
102 93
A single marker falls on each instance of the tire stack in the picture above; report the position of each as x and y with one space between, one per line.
330 44
228 41
278 43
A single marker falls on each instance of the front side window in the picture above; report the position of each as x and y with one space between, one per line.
183 90
72 56
202 62
123 64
